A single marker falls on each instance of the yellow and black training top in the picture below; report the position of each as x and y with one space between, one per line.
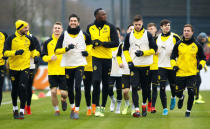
139 35
54 67
17 42
187 54
73 32
3 37
106 33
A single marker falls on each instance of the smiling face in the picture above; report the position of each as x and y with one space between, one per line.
73 22
166 28
138 25
57 29
24 30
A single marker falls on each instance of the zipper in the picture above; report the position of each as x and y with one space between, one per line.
99 30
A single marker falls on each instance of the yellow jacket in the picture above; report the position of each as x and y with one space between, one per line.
16 42
54 67
187 55
106 33
3 37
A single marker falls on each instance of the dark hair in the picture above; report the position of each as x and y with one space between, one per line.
74 15
137 18
151 24
188 25
164 22
96 11
118 28
129 25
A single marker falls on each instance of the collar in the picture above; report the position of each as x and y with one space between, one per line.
166 35
141 31
53 37
17 34
99 24
189 41
73 31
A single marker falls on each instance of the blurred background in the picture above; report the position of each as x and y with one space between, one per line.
42 14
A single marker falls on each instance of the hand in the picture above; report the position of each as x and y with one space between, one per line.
139 53
70 46
200 67
96 43
4 58
175 68
36 60
19 52
84 53
121 65
131 66
54 58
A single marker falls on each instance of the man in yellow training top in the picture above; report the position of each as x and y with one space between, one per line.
104 37
3 37
19 47
56 73
187 57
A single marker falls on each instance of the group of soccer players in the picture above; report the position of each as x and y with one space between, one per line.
144 61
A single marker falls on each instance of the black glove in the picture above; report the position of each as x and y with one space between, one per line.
36 60
84 53
96 43
139 53
175 68
131 66
70 46
200 67
4 58
19 52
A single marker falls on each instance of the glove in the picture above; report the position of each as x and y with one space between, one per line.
84 53
19 52
175 68
70 46
139 53
131 66
96 43
36 60
4 58
200 67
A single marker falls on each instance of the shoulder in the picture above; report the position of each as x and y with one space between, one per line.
91 24
110 25
48 41
176 36
11 37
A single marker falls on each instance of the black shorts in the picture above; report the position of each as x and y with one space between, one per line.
154 76
183 82
101 68
126 81
140 77
166 74
57 81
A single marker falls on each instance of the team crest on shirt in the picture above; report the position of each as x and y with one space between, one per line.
94 67
193 48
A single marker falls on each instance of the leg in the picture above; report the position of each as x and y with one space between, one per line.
87 79
163 79
111 93
70 73
29 86
119 94
106 70
171 79
78 79
2 70
64 92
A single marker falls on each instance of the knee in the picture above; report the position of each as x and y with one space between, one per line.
191 92
54 92
64 94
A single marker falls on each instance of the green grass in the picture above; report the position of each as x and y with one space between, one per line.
43 117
